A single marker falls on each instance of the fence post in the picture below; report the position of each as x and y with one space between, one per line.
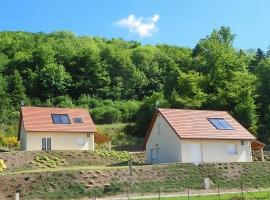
218 192
242 192
188 194
159 194
128 192
17 196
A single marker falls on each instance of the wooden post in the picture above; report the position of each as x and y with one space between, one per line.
242 192
128 192
218 192
110 145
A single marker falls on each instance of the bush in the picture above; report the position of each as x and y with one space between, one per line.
105 115
10 142
86 100
46 161
113 188
120 155
2 165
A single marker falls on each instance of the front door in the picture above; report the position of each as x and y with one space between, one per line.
196 153
46 143
155 155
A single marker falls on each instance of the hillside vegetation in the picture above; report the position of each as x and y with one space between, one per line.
124 81
78 174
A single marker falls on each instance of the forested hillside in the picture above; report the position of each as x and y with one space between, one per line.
120 81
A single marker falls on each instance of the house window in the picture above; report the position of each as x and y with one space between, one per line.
159 129
242 142
46 143
77 120
220 123
232 149
88 135
60 119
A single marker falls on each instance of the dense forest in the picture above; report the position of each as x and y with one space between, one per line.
124 81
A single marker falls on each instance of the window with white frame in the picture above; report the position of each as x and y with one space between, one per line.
232 149
159 129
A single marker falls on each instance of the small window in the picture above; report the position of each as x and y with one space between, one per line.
77 120
232 149
88 135
159 129
49 143
60 119
44 143
220 123
242 142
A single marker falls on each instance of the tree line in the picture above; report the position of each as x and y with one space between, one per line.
124 81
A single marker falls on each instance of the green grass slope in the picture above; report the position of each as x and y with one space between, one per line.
146 179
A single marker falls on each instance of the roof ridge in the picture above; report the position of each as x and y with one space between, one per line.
192 109
40 107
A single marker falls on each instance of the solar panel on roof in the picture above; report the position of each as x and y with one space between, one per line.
220 123
60 119
78 120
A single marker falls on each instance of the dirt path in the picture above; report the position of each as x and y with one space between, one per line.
58 169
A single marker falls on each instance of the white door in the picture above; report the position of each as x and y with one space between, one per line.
196 153
154 155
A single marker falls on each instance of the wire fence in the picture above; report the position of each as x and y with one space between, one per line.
216 193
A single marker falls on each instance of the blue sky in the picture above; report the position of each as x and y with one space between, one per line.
178 22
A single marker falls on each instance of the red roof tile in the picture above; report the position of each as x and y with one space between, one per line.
38 119
194 124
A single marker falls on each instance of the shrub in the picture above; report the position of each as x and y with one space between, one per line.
105 115
113 188
46 161
86 100
10 142
2 165
120 155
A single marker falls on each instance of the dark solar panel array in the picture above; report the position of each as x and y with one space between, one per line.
220 123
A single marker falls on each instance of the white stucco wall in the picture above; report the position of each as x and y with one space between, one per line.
167 143
173 149
60 141
216 150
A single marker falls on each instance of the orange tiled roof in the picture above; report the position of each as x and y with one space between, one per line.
38 119
195 124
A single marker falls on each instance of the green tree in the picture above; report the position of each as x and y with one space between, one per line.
16 90
54 80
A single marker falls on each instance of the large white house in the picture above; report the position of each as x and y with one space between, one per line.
198 136
44 128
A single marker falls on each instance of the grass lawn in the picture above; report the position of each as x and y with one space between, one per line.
264 195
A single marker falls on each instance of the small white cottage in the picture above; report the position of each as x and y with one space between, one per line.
44 128
197 136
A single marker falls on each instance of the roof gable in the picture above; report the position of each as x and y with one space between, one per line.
39 119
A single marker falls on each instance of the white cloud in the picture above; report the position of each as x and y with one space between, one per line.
144 27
